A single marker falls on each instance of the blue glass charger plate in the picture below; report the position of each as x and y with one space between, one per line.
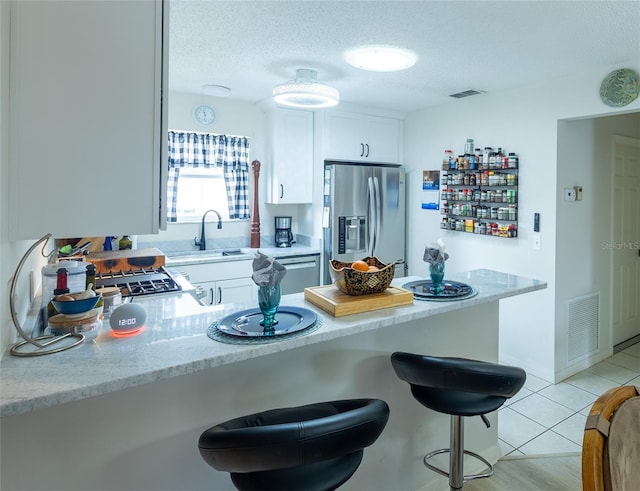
452 290
244 327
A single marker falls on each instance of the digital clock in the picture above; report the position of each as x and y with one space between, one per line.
128 317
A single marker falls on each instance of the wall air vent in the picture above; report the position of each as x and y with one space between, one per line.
466 93
584 325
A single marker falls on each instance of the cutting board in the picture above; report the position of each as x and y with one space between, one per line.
336 303
126 260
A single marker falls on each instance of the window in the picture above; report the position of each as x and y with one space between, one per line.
200 190
207 171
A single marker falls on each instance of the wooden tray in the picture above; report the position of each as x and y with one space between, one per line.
336 303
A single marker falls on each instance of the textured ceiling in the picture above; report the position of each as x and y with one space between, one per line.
250 46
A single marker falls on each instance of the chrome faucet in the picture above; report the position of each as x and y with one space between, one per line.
202 243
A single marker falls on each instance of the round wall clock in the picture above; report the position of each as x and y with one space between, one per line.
620 87
204 115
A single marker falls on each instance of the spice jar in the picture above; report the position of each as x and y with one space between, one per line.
448 161
468 146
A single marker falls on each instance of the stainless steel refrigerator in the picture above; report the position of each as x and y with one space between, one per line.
364 213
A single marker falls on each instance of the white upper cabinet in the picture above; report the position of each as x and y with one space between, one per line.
87 127
289 172
361 137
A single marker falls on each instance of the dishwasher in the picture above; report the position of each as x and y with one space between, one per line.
302 271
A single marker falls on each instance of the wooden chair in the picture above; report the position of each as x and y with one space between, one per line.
611 443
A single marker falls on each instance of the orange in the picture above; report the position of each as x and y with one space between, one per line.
360 265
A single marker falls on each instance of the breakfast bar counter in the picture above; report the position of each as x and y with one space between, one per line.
126 412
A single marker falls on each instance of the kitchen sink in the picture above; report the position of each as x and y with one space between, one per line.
232 252
183 254
204 254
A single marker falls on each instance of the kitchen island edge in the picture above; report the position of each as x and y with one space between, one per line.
104 365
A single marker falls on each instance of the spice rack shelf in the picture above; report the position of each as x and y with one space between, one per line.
480 197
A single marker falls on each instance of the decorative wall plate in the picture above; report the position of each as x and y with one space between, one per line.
620 87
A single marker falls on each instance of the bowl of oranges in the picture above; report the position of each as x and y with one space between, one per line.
362 277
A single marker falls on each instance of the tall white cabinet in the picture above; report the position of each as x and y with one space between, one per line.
361 137
289 172
88 124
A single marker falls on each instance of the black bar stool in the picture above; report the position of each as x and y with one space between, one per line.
458 387
316 447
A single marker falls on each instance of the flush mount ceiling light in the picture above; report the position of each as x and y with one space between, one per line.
305 91
380 58
216 90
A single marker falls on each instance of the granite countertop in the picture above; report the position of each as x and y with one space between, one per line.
174 342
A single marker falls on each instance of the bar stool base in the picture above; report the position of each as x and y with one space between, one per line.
470 477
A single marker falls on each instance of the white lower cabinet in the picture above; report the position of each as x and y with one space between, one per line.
237 290
226 282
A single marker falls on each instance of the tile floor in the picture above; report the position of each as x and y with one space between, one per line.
544 418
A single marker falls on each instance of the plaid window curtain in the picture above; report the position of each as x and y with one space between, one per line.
207 150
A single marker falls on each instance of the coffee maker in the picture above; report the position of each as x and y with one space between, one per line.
284 237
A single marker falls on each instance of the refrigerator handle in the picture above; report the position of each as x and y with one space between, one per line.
371 218
376 234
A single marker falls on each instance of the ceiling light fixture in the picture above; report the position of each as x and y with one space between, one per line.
216 90
305 91
380 58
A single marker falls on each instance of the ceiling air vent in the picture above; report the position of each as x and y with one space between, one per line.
466 93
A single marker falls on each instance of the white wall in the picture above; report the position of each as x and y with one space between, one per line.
524 121
583 263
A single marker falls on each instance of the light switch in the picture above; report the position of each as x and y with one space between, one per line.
569 194
536 243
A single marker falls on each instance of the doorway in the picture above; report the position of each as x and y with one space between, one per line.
625 241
